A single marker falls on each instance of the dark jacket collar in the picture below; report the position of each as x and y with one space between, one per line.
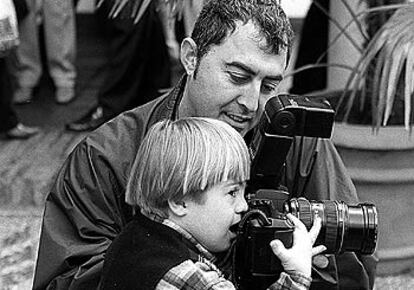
167 108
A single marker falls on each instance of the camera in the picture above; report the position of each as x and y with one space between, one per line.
344 227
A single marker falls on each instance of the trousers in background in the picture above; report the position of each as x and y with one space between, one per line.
8 118
138 60
58 19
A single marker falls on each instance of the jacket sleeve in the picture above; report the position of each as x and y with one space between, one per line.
83 213
315 170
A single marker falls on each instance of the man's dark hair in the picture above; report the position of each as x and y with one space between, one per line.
218 18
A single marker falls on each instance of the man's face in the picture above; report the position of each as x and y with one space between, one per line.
213 221
234 80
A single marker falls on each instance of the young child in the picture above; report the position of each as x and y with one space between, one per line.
188 181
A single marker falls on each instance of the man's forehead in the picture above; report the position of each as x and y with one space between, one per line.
247 49
251 30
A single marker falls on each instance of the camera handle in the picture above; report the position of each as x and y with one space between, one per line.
304 167
269 152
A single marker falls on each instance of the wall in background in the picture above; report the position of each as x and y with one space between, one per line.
296 8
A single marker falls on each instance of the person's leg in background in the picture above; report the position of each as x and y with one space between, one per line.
60 43
9 123
138 66
27 66
146 67
313 44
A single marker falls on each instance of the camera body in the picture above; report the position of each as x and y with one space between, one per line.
344 227
292 115
285 116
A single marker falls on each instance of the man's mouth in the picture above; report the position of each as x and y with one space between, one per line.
238 118
238 122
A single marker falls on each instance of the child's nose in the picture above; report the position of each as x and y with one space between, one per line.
242 205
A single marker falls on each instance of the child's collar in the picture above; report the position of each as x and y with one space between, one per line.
204 253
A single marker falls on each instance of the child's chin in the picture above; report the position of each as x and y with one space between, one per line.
222 248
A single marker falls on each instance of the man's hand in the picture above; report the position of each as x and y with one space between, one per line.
299 257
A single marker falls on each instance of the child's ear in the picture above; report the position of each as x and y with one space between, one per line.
178 208
189 55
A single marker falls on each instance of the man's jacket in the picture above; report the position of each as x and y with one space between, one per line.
85 208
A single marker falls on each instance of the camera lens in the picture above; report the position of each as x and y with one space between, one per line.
344 227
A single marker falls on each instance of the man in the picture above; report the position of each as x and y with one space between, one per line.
233 62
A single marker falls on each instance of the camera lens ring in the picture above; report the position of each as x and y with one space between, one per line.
342 217
305 213
371 229
331 226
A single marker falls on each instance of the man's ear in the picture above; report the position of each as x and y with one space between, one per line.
189 55
178 208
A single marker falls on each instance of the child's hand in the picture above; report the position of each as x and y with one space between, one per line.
299 257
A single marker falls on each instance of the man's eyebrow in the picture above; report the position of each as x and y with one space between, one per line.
241 66
277 78
247 69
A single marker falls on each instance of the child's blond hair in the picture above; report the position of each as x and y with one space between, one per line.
184 158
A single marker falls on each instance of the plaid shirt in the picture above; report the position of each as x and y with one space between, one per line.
203 274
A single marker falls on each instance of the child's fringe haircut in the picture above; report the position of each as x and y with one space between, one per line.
184 158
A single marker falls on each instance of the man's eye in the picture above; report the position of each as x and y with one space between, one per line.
268 89
238 78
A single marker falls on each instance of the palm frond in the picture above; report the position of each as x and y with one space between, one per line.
342 30
136 8
355 19
360 69
358 19
409 88
392 48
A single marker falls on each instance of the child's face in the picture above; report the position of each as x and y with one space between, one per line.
210 220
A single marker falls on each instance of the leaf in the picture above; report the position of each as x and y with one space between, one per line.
399 38
391 47
313 66
376 80
141 10
355 19
338 25
358 20
396 67
137 8
358 73
409 87
383 85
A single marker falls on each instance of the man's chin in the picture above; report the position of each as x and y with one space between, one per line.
242 131
241 128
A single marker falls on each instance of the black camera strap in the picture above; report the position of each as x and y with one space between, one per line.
305 162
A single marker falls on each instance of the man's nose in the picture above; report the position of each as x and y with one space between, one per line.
250 97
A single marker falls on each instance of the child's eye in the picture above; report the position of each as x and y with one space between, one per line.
234 192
